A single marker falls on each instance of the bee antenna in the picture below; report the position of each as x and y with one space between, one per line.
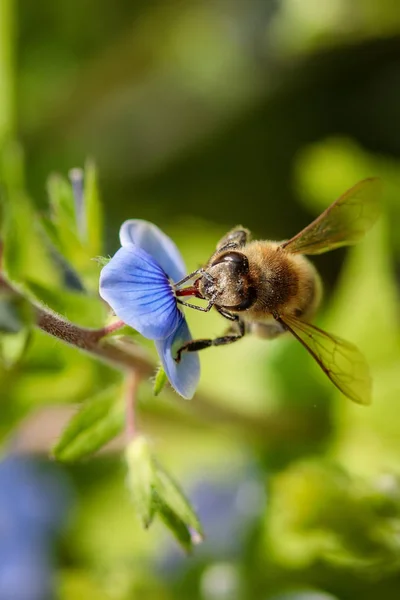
188 277
203 309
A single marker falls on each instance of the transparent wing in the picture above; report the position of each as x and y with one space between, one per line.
343 223
341 361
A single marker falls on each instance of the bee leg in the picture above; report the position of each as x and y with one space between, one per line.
236 238
228 315
196 345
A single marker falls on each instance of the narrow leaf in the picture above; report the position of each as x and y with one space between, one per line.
154 492
12 166
140 478
62 203
76 179
67 230
102 260
25 254
13 346
79 307
175 524
94 216
172 496
15 313
16 318
98 421
159 381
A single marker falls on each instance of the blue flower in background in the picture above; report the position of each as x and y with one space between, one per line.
138 285
35 499
230 504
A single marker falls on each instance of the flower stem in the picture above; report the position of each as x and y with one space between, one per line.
114 326
281 425
90 340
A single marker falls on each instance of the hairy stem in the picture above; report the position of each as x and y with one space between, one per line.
279 426
126 355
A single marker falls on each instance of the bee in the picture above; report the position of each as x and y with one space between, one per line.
269 288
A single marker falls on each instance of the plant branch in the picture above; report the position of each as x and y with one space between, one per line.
122 354
284 425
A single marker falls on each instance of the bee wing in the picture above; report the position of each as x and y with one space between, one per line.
343 363
344 222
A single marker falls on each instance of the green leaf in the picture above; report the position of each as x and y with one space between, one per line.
155 492
79 307
69 232
12 166
172 496
9 318
15 313
62 202
159 381
13 346
140 478
176 525
16 318
61 226
25 254
102 260
94 215
98 421
8 116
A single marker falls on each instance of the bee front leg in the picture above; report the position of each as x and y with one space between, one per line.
196 345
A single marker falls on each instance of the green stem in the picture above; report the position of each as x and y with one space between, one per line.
7 84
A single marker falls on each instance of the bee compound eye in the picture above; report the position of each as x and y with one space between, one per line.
237 259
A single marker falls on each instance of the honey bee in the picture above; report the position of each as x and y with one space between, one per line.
269 288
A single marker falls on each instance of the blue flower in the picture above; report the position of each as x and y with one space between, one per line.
138 285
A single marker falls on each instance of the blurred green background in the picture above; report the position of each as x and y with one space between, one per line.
202 115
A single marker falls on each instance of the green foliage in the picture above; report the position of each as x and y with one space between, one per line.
15 313
102 260
16 320
159 381
76 233
94 214
7 48
246 132
97 422
24 247
319 512
154 492
140 478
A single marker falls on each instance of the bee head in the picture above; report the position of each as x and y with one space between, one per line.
227 282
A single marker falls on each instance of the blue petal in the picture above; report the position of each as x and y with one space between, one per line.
183 376
138 291
151 239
